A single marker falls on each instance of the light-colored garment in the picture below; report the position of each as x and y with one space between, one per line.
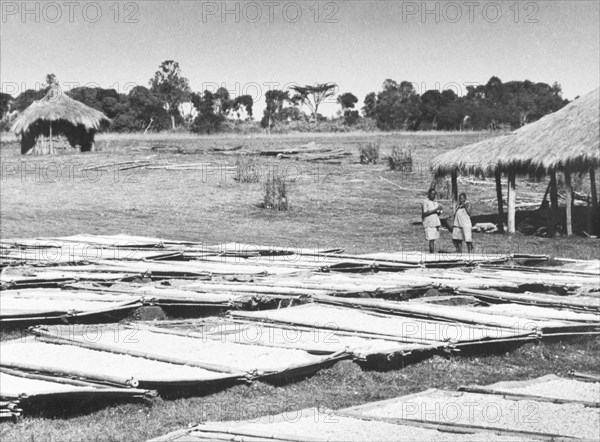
432 233
432 220
431 223
462 225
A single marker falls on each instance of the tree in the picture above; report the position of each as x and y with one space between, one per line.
313 96
348 101
222 102
138 111
25 98
246 102
275 100
171 88
370 105
397 106
207 121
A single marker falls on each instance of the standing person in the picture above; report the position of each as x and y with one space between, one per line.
430 214
462 224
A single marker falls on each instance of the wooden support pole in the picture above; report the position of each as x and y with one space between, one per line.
553 191
593 187
454 182
569 202
51 140
511 201
500 201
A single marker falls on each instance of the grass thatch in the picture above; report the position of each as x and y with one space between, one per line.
568 138
68 117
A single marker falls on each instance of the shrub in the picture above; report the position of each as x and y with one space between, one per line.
369 152
275 194
247 169
401 160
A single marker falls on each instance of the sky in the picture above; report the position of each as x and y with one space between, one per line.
250 47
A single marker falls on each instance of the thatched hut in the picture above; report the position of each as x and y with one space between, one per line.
566 141
54 115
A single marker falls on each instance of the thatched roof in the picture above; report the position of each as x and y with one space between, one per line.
57 106
568 137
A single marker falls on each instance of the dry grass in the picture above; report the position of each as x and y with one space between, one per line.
343 205
368 153
248 169
400 160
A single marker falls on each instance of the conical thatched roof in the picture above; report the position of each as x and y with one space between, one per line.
568 137
57 106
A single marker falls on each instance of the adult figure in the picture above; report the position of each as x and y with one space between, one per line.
430 214
462 230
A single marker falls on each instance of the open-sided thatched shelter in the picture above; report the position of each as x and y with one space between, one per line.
57 114
565 141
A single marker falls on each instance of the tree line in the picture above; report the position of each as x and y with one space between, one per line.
169 103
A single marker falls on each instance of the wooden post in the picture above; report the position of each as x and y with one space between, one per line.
553 191
593 187
511 201
51 141
569 201
454 181
500 201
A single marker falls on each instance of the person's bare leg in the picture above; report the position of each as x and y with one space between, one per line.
457 245
470 247
431 245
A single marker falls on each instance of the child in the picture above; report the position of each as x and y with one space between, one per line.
462 224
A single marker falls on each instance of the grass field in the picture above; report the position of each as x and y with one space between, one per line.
344 205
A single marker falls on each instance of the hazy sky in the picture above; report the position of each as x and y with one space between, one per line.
250 47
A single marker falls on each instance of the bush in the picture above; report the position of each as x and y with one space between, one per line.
401 160
351 117
247 169
207 123
275 194
338 125
369 152
243 127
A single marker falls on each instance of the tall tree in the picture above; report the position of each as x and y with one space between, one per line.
138 112
223 103
208 119
313 96
243 101
397 106
370 105
275 100
171 88
347 100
